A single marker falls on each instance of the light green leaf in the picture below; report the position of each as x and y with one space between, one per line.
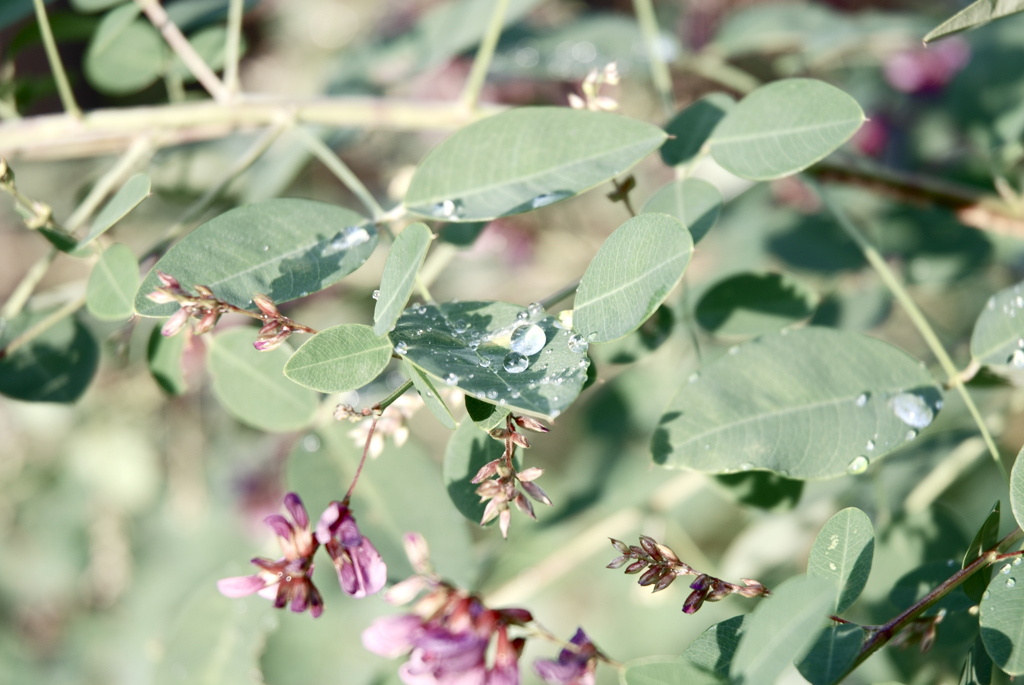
714 649
834 651
631 275
341 358
498 352
208 44
782 629
754 303
134 191
692 126
110 293
126 53
810 403
998 336
250 386
843 552
651 335
1002 618
1017 488
525 159
396 283
668 670
86 6
425 387
695 202
283 248
784 127
55 366
164 357
468 450
975 15
986 538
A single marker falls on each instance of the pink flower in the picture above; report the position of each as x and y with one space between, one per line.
361 571
574 666
927 69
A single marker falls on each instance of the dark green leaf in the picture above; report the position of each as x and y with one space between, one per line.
425 387
55 366
165 364
692 126
110 293
986 538
694 202
977 668
714 649
468 450
998 336
485 415
134 191
126 54
834 651
843 552
1002 617
752 304
396 283
975 15
341 358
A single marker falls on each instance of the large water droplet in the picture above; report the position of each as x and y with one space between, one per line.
861 400
376 295
451 379
857 465
912 410
515 362
578 344
311 443
347 238
449 209
401 348
528 340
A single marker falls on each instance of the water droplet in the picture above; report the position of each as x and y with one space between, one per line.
545 199
528 340
484 363
347 238
535 309
578 344
502 402
912 410
870 446
514 394
451 379
523 315
911 434
266 247
429 394
1020 342
832 565
707 445
857 466
460 326
448 209
951 562
746 466
303 294
861 400
991 304
1016 359
1010 582
376 295
401 348
938 404
1016 562
734 349
986 594
583 363
473 344
492 394
693 378
515 362
311 443
1005 570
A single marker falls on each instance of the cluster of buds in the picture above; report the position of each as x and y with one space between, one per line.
289 580
377 425
500 482
591 87
276 326
663 566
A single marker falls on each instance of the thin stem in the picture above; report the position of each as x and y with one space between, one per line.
42 326
390 399
714 68
660 74
233 45
16 302
484 54
440 256
333 162
67 97
139 150
362 460
559 295
916 317
183 49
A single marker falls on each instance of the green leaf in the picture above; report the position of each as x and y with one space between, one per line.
431 397
651 335
834 651
784 127
782 628
525 159
694 202
762 489
468 450
55 366
810 403
692 127
974 15
208 44
110 293
668 670
750 304
338 359
986 538
998 336
714 649
498 352
843 552
396 283
283 248
250 386
134 191
86 6
1002 617
977 668
631 275
1017 488
126 54
164 357
485 415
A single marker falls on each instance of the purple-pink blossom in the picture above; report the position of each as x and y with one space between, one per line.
361 571
575 665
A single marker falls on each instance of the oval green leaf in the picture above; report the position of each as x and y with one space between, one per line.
339 359
810 403
250 385
668 670
631 275
998 336
1017 488
1002 618
110 293
525 159
396 283
691 128
752 304
974 15
843 552
55 366
468 450
163 354
784 127
695 202
283 248
134 191
126 53
831 654
431 397
714 649
986 538
498 352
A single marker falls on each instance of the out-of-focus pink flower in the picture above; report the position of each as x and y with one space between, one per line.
871 138
575 665
927 69
361 571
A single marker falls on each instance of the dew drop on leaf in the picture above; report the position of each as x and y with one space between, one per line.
1016 562
1010 582
1016 359
376 294
861 400
1005 570
734 349
746 466
451 379
460 326
911 410
484 363
515 362
578 344
535 309
857 465
311 443
870 446
545 199
266 247
693 377
401 348
347 238
528 340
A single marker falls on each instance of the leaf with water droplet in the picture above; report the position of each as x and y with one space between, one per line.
843 551
524 158
431 397
787 402
227 253
999 330
468 343
396 283
338 359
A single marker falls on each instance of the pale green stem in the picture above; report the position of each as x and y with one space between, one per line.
175 86
332 161
16 302
44 325
183 49
916 317
660 73
233 45
484 55
423 289
67 97
437 261
716 69
115 176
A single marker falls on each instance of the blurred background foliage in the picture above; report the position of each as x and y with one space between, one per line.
119 511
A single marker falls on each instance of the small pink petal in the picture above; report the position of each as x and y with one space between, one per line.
241 586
